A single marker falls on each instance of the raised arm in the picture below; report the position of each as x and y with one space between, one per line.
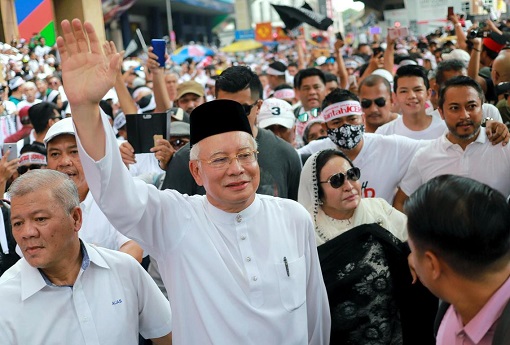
342 71
158 80
88 74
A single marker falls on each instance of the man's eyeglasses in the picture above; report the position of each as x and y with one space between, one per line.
308 115
178 143
24 168
380 102
248 107
221 162
337 180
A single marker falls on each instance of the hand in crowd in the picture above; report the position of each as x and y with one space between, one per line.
339 44
7 168
128 153
497 132
163 152
90 71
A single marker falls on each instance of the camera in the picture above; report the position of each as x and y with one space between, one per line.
478 33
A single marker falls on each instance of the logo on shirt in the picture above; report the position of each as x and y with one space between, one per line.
367 192
117 302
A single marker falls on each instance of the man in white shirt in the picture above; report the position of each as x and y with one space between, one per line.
65 291
239 267
412 91
30 92
63 156
464 150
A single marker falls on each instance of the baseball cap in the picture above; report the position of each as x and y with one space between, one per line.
457 54
119 121
179 129
275 111
190 87
64 126
23 114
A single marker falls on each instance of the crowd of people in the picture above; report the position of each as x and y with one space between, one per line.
354 197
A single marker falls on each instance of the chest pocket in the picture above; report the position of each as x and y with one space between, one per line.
292 283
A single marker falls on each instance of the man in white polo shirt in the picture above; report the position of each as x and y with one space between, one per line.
464 150
66 291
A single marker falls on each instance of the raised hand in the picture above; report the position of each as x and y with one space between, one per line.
87 72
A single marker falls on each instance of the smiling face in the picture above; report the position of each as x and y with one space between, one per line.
46 233
411 95
63 156
312 92
232 188
339 203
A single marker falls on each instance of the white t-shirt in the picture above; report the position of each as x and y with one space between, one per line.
111 301
218 267
383 162
436 128
25 103
481 161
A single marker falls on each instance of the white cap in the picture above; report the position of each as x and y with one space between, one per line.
385 74
64 126
457 54
275 111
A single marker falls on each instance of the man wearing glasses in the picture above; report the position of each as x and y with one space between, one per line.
375 95
239 267
279 162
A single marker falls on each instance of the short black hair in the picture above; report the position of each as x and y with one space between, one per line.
338 95
292 64
40 114
306 73
459 81
446 66
322 158
465 222
239 78
411 71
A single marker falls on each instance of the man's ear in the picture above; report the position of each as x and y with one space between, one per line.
196 172
440 109
77 215
434 265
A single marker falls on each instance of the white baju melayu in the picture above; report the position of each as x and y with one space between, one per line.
251 277
112 300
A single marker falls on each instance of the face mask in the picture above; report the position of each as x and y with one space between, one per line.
348 136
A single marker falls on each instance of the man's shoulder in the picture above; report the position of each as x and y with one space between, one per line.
317 145
285 206
389 127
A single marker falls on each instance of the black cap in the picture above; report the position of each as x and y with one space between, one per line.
216 117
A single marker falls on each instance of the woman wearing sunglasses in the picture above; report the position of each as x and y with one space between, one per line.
363 256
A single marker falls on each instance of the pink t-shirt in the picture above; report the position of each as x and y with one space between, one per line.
480 330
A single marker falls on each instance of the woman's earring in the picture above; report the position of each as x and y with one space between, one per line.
320 202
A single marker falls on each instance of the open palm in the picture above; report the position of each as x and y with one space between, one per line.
84 65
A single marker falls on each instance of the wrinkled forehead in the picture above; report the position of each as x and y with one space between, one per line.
228 142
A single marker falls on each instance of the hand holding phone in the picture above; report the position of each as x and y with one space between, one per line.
450 12
339 36
13 151
159 48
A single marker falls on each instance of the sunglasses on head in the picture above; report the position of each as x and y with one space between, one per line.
248 107
337 180
306 116
380 102
24 168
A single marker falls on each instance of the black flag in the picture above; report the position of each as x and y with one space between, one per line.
292 17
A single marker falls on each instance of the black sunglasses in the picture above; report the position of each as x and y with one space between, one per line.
248 107
380 102
24 168
337 180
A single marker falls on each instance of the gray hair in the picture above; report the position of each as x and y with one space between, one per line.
64 190
195 149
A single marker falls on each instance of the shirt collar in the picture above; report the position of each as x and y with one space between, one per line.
32 279
478 327
87 202
220 216
480 139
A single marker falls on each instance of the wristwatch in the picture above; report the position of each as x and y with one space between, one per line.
484 121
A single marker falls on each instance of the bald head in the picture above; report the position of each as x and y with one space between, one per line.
501 67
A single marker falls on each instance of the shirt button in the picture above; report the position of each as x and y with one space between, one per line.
248 259
254 278
239 218
243 237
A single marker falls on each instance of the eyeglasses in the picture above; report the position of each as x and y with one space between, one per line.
336 181
380 102
330 60
178 143
306 116
248 107
24 168
221 162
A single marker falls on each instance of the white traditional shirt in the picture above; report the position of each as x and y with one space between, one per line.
112 300
251 277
